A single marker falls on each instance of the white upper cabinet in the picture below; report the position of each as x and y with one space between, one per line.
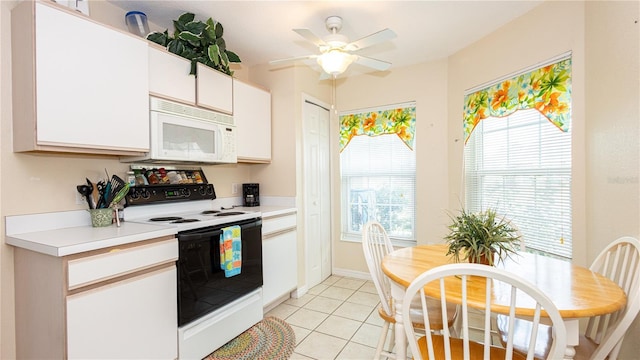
78 86
252 115
169 76
214 89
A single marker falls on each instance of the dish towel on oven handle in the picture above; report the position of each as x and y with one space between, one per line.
231 251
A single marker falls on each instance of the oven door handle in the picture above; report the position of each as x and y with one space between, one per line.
206 234
199 236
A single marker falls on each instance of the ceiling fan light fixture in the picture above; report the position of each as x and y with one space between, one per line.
335 62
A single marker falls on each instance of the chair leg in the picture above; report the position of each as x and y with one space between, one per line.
383 338
392 341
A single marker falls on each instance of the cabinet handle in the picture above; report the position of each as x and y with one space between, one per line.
279 232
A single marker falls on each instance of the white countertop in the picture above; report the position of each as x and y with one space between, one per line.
67 233
73 240
269 210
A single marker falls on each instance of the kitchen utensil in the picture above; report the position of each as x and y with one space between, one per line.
94 193
113 187
101 190
117 198
85 191
107 194
119 195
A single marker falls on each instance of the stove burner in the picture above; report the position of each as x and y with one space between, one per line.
184 221
208 212
230 213
166 218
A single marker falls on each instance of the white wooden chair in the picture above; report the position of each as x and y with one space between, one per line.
375 245
444 346
620 262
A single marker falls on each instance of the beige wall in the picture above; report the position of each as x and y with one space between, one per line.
612 112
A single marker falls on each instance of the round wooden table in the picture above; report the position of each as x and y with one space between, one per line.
576 291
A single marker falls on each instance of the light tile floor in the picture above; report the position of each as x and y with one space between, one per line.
337 319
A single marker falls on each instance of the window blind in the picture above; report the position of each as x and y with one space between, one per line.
521 166
378 183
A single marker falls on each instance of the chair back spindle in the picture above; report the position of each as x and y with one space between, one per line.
463 279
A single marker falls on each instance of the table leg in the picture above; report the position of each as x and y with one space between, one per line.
573 337
397 293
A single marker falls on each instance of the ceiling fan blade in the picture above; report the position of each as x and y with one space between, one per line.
307 34
372 63
291 59
370 40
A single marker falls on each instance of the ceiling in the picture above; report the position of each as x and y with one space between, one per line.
260 31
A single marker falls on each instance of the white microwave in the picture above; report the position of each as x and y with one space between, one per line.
182 133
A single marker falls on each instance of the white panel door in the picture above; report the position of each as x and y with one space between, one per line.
132 319
317 198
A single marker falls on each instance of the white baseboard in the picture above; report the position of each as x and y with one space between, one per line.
302 290
352 273
299 292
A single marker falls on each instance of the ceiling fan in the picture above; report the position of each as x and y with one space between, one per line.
337 53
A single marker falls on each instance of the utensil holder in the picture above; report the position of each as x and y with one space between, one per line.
101 217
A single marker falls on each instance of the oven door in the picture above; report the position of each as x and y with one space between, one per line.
202 285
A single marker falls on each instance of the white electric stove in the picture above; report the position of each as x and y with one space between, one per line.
213 307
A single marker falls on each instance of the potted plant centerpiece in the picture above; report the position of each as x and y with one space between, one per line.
200 42
477 237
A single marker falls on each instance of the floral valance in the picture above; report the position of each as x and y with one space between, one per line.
399 120
547 89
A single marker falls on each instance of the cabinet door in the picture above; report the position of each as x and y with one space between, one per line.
135 318
214 90
252 115
92 84
169 76
280 265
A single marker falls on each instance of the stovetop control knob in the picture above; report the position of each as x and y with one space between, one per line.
134 195
202 190
145 194
185 192
210 190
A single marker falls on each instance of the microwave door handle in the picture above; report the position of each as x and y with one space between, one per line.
218 145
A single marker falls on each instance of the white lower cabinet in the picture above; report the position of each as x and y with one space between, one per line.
125 307
279 257
131 319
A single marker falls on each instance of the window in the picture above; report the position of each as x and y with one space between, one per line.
518 161
521 167
377 172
